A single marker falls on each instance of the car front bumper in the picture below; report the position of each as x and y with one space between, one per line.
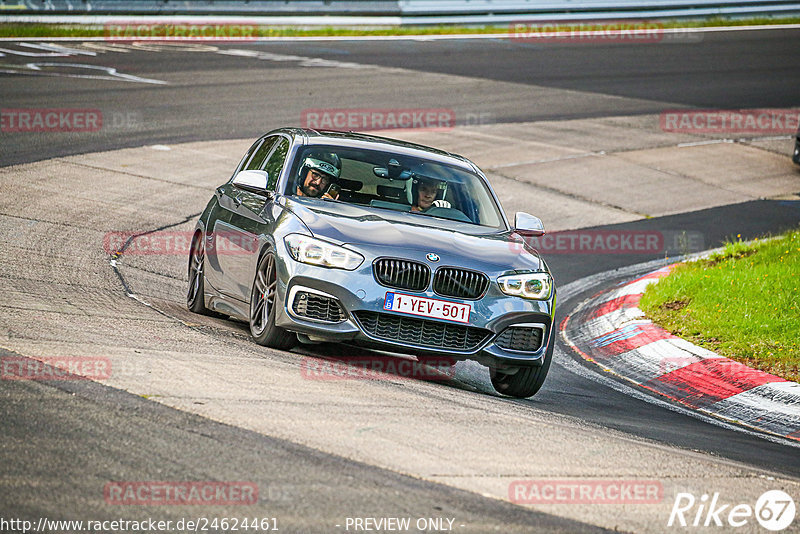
361 297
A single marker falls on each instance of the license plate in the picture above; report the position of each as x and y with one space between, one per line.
425 307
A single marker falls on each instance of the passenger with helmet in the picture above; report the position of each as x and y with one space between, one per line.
424 191
316 175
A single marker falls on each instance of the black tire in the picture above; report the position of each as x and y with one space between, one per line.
526 381
195 295
262 307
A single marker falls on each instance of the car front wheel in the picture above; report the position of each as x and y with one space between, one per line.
522 382
262 307
196 293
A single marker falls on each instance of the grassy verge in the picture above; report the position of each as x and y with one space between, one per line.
72 30
743 303
14 30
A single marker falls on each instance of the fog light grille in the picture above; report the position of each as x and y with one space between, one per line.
521 339
317 307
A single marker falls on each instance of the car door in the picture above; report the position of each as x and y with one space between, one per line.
221 235
251 218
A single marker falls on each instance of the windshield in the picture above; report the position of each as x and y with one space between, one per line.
391 181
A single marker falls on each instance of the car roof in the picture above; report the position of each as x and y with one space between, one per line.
375 142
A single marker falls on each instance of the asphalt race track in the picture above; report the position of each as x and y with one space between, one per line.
721 71
569 132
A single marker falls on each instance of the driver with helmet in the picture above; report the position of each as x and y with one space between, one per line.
317 173
424 191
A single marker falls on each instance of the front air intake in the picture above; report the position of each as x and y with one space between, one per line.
421 332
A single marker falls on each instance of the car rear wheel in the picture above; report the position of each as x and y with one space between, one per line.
522 382
195 296
262 307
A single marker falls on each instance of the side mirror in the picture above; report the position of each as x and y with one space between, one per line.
255 181
528 225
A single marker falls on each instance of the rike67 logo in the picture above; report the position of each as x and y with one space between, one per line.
774 510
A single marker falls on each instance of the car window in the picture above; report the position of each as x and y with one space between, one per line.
390 181
247 157
274 164
260 155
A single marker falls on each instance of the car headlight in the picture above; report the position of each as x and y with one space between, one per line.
538 286
314 251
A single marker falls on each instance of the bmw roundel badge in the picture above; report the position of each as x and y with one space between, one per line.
432 256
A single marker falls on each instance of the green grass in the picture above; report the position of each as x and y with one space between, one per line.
73 30
743 303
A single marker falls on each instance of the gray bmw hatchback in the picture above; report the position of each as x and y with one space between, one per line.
324 236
